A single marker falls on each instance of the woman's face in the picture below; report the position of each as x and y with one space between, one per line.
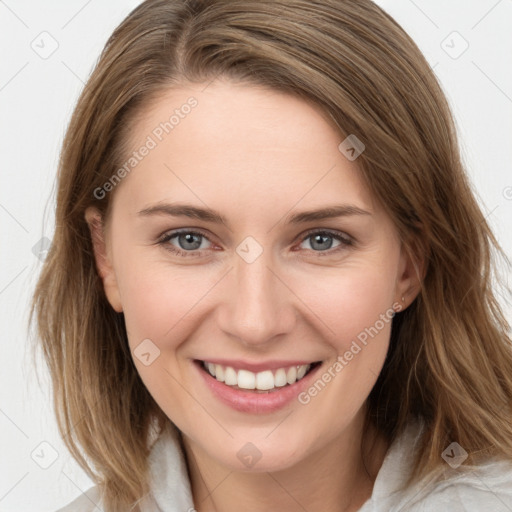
271 287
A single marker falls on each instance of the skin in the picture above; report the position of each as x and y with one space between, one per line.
256 156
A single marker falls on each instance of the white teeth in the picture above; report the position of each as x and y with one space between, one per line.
230 377
280 378
263 381
301 372
246 379
291 375
219 372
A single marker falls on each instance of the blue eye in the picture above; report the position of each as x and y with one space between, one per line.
190 243
322 241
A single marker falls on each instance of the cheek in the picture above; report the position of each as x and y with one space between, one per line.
355 310
349 301
158 300
161 304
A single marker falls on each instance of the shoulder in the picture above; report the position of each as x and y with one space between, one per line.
168 480
89 501
486 487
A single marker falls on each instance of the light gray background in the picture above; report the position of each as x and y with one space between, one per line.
37 96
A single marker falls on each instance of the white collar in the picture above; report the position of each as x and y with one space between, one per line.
172 492
169 480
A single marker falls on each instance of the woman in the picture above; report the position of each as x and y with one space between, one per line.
207 352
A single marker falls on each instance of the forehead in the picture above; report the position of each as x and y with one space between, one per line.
238 144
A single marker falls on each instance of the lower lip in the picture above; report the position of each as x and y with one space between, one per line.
252 402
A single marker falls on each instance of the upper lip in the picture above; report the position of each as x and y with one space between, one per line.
239 364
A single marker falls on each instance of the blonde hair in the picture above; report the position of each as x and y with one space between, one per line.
450 358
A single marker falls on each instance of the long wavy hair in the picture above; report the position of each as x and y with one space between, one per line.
450 358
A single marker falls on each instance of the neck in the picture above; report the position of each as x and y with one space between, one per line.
333 478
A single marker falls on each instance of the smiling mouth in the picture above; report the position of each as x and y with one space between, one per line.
259 382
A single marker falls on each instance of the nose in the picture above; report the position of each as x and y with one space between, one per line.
257 306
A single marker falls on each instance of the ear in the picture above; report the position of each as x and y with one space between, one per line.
103 258
410 276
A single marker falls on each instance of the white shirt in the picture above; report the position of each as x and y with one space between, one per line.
487 489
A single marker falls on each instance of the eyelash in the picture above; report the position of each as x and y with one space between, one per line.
345 240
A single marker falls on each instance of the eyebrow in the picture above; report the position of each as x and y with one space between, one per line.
209 215
328 212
